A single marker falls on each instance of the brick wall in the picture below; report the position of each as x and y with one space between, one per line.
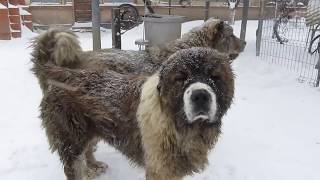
5 33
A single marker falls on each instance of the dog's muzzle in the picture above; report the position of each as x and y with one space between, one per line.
200 103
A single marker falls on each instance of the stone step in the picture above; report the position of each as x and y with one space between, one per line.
14 18
13 10
16 34
15 26
28 24
26 17
11 19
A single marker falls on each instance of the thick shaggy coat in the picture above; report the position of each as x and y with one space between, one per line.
122 98
141 116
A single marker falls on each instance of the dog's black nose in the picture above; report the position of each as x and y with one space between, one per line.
200 98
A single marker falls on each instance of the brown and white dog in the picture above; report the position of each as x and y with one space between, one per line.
166 122
87 98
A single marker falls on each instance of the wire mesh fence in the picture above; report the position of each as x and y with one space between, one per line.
285 41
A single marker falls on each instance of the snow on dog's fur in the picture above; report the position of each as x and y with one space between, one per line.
140 115
87 97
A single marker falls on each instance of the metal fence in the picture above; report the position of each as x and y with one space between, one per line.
285 40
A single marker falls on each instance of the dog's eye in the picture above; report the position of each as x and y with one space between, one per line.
179 76
215 77
212 73
209 70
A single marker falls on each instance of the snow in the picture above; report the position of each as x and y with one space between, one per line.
12 6
23 12
232 5
81 25
270 133
50 4
117 3
3 6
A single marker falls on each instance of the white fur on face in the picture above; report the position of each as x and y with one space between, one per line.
188 105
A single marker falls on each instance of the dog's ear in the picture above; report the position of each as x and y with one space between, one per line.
220 26
219 30
212 27
224 29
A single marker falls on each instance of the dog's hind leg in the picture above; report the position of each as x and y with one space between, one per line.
95 168
72 155
74 163
74 169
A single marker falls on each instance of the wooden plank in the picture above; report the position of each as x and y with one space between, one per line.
82 10
82 6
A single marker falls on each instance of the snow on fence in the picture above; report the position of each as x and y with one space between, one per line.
286 38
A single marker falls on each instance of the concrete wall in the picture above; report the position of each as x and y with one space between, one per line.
52 14
197 12
63 14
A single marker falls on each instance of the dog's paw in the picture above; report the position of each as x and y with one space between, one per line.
96 169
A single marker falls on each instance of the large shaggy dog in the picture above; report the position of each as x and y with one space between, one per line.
85 100
166 122
213 34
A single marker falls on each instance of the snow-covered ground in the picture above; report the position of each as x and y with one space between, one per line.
270 133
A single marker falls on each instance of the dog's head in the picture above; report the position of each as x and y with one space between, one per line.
196 85
222 38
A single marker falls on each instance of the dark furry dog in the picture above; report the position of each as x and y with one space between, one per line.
213 34
95 103
166 122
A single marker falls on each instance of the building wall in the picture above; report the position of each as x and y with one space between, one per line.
254 2
63 14
52 14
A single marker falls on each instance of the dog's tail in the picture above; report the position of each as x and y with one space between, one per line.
54 47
